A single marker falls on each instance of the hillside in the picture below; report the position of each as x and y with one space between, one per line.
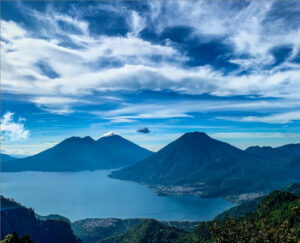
252 205
92 230
287 156
277 219
149 230
206 166
17 218
75 154
293 149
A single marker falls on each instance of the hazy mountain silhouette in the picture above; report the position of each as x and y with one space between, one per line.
6 157
127 151
75 154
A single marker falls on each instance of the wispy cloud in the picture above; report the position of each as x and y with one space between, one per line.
128 113
280 118
85 62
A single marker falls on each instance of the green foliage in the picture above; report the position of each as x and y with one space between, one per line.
14 238
203 232
241 210
248 231
277 219
292 188
150 231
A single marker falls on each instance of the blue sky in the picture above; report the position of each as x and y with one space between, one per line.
228 68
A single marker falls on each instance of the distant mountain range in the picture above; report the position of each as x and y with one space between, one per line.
6 157
209 167
281 155
76 154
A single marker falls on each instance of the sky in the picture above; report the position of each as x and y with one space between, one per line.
149 71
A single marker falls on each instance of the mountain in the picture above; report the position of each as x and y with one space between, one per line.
293 149
75 154
285 158
128 152
196 160
6 157
267 152
53 217
149 230
72 154
281 156
17 218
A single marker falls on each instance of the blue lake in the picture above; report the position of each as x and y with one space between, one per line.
91 194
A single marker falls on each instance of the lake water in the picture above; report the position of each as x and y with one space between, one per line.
91 194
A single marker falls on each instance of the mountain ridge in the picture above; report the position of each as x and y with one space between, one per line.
6 157
211 167
76 153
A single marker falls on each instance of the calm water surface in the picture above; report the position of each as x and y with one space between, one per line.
91 194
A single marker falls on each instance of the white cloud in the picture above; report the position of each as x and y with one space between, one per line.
251 135
12 31
26 149
244 26
21 74
280 118
129 113
12 130
137 23
142 65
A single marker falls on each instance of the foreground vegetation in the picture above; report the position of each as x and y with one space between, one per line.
14 238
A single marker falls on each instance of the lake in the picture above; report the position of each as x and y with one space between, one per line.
92 194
